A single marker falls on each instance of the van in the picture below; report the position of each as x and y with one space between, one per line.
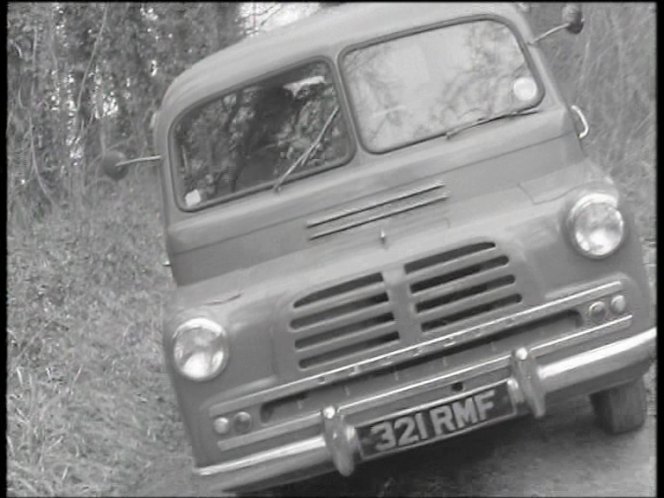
385 232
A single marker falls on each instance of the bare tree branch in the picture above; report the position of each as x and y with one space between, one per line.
270 9
87 70
270 16
33 152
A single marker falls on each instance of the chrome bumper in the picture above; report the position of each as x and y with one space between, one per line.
528 383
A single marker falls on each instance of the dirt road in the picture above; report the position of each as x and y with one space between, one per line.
563 454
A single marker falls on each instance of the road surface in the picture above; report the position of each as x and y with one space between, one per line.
563 454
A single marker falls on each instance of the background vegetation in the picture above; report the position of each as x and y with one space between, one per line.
89 408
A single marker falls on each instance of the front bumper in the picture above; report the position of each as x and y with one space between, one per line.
529 383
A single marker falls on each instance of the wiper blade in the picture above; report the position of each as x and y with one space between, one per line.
487 119
300 161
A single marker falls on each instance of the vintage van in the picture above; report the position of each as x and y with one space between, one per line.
385 232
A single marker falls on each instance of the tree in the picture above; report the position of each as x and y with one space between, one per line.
86 77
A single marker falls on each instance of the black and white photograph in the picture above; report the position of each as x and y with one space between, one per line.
331 249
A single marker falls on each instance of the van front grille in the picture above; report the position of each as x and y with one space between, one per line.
343 322
466 350
460 284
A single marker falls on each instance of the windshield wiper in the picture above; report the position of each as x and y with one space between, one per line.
487 119
300 161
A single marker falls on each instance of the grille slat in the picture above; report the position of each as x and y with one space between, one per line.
486 316
327 345
306 340
467 302
352 350
323 304
450 265
460 284
342 322
442 290
333 320
340 289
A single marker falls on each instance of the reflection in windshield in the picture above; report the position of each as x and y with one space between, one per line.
250 137
417 86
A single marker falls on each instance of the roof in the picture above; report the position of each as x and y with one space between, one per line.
325 33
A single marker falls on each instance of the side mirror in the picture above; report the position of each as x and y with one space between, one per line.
116 166
112 164
572 17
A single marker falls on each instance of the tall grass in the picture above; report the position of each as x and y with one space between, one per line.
89 408
86 391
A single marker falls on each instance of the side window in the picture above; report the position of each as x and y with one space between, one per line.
247 139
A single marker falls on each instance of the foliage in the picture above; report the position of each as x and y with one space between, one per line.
86 77
86 393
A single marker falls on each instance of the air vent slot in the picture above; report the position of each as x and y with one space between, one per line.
381 207
459 274
340 289
469 313
460 284
365 345
342 331
448 256
339 311
464 293
343 321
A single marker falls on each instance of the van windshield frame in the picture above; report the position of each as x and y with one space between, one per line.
343 129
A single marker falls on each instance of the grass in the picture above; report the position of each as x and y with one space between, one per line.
89 407
88 403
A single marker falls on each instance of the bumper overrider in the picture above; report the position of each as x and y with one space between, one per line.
528 383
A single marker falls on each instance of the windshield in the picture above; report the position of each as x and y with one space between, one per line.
418 86
246 140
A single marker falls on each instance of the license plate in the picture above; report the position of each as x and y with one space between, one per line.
434 421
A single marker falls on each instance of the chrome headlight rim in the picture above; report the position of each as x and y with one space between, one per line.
579 206
205 323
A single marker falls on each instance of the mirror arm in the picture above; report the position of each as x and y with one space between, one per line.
548 33
138 160
577 110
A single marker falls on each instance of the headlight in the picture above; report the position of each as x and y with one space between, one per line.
200 348
595 225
